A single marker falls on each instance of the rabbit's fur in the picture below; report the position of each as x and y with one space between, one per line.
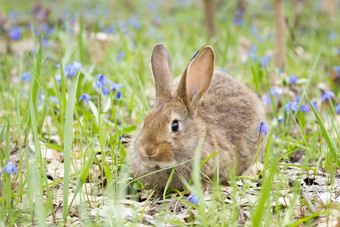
210 107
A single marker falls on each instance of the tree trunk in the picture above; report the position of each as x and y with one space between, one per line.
329 7
210 7
280 34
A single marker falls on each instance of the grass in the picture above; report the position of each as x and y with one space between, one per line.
71 155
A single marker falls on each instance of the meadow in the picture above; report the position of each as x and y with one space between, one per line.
75 82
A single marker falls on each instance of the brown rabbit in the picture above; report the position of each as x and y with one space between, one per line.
207 106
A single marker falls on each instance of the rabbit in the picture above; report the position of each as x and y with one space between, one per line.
203 106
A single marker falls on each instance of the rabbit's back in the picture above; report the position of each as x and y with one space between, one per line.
232 113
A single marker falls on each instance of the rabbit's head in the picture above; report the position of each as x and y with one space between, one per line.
171 130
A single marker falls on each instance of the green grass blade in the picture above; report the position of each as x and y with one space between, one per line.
68 139
325 134
35 178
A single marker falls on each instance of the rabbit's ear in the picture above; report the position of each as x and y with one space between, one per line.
197 77
162 71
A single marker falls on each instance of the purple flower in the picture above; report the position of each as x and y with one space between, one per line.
271 36
293 79
253 29
101 80
157 20
153 6
221 69
305 108
252 48
327 95
280 120
85 97
58 78
120 56
119 94
15 33
105 90
291 106
275 91
337 70
70 69
26 77
314 104
297 99
264 61
238 19
134 22
263 128
193 199
337 109
333 35
54 99
9 168
115 86
266 99
41 95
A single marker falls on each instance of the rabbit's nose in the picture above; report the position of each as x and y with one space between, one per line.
151 153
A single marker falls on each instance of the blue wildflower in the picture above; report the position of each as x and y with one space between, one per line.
297 99
26 77
102 83
305 108
119 94
115 86
260 38
275 91
333 35
41 95
327 95
280 120
271 36
153 6
337 109
263 128
54 99
193 199
101 80
264 61
105 90
337 71
134 22
338 51
157 20
85 97
252 48
58 78
315 105
293 79
221 69
15 33
71 69
266 99
120 56
253 29
111 29
238 19
9 168
291 106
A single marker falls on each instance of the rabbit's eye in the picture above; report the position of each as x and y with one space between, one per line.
174 126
